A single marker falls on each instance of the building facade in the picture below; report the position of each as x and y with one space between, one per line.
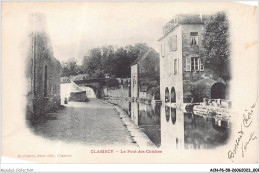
134 81
145 75
182 73
42 72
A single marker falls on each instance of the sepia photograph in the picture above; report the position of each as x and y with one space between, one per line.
130 82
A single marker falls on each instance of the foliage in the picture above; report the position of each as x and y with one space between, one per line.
215 44
153 87
198 93
149 74
109 60
112 82
93 64
70 68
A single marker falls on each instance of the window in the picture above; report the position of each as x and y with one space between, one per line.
175 66
163 49
194 38
188 64
194 64
174 40
173 43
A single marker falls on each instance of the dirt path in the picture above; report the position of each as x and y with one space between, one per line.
92 123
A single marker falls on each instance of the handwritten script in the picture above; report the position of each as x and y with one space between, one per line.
242 141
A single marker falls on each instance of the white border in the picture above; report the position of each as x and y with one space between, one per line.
16 165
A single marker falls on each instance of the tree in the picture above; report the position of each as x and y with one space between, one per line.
215 45
110 61
135 51
93 64
112 82
70 68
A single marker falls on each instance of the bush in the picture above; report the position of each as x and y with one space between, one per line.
112 82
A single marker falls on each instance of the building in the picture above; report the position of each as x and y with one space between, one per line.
42 71
182 73
145 76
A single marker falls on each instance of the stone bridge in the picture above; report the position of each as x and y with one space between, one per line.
95 84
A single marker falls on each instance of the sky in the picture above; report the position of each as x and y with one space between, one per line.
75 29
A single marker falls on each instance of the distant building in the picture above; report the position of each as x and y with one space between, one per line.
42 72
145 75
182 72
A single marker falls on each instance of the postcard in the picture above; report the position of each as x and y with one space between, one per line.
130 82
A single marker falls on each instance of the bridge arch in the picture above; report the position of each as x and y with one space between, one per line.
173 95
218 91
167 95
173 115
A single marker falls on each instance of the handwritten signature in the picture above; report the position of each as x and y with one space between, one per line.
239 142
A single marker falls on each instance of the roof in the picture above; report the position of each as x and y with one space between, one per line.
168 32
185 19
143 55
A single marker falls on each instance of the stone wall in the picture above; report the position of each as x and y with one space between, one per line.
145 75
118 96
134 80
78 96
190 78
42 72
122 91
179 83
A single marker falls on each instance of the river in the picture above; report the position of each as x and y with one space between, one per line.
171 127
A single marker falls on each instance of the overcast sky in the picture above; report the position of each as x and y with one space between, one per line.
77 28
74 28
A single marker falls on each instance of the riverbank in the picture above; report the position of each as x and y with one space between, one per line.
139 137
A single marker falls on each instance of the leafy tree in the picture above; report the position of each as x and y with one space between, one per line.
215 45
134 51
93 64
108 60
112 82
70 68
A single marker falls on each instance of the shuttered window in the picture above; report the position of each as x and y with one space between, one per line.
163 50
172 43
188 64
194 64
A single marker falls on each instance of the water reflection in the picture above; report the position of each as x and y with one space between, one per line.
173 115
172 132
202 132
184 131
167 113
147 117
